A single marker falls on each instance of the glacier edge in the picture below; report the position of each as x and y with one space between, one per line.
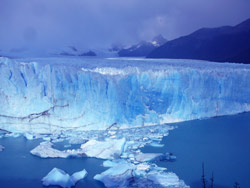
42 97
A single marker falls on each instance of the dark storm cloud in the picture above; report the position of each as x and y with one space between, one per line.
98 23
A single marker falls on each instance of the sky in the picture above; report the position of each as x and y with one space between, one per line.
41 24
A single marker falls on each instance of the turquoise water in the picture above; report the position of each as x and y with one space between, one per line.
223 143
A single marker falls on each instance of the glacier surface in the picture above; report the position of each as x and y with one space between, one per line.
50 95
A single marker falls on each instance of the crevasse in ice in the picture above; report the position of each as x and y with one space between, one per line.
55 94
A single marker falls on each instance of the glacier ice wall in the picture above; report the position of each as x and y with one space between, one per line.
43 97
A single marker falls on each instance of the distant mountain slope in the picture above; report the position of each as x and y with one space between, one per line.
89 53
143 48
223 44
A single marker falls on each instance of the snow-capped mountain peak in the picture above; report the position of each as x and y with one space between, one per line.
158 40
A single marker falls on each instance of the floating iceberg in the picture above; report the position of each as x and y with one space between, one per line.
78 176
29 136
60 178
166 179
117 176
108 149
123 174
157 145
149 157
45 150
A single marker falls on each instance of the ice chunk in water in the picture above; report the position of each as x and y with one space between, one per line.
59 177
45 150
29 136
149 157
117 176
108 149
166 179
79 175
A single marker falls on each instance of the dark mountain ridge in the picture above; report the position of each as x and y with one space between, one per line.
223 44
143 48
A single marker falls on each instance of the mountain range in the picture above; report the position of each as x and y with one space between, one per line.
222 44
143 48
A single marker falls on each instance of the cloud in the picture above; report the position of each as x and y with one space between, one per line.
98 23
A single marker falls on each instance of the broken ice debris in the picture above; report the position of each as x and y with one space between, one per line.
108 149
29 136
78 175
166 179
117 176
149 157
156 145
122 174
45 150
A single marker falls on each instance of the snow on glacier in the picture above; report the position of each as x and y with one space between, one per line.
50 95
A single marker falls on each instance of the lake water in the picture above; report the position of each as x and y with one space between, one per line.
223 144
20 169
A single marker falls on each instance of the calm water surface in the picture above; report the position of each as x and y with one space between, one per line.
223 143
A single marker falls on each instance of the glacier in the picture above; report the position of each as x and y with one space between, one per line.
113 107
50 95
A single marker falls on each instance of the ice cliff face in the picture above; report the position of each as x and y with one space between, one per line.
51 95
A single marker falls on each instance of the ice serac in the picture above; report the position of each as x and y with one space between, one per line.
52 95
